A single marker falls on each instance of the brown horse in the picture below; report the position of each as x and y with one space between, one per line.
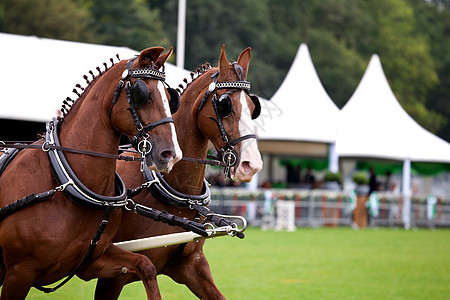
197 122
45 242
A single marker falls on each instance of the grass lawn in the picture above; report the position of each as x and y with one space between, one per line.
326 263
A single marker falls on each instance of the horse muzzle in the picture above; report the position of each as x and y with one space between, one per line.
162 160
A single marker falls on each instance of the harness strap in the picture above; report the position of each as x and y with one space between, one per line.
24 202
46 146
162 191
241 138
134 115
121 83
239 71
172 220
212 160
157 123
134 192
74 188
116 96
88 256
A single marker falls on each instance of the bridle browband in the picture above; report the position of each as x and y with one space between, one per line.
144 146
226 154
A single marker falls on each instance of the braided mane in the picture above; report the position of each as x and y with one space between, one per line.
79 90
194 75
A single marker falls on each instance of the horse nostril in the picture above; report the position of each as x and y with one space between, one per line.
246 166
167 155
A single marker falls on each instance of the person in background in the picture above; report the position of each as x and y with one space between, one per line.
293 174
387 183
309 177
373 181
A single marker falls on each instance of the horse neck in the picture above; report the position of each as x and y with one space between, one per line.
187 177
88 127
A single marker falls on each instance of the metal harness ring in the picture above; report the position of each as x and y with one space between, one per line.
44 148
131 203
229 158
144 147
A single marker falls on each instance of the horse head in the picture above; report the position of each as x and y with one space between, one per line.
151 104
225 115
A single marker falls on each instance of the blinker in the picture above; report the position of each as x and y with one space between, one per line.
257 110
224 106
140 93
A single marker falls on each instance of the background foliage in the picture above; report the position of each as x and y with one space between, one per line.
412 38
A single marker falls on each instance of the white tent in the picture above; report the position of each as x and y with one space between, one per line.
373 125
38 73
301 119
306 112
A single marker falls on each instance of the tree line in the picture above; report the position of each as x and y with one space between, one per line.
410 36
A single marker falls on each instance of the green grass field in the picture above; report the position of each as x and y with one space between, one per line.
326 263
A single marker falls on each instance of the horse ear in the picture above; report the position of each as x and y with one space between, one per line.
244 61
223 61
150 55
163 58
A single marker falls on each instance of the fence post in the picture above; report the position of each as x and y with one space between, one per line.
285 215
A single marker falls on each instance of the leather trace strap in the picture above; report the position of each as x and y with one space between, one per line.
165 217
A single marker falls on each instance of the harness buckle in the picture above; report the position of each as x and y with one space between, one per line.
62 187
149 183
3 148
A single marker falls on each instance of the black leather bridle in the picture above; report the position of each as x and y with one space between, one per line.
226 154
140 140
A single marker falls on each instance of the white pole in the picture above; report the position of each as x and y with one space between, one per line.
333 159
406 192
181 32
253 185
165 240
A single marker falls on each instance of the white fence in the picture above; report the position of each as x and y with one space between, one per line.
317 208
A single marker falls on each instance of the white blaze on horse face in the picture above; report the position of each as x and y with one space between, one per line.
250 159
178 153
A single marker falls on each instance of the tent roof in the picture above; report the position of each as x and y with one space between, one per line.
374 125
304 111
38 73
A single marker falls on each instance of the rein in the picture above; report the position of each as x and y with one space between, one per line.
211 160
47 146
